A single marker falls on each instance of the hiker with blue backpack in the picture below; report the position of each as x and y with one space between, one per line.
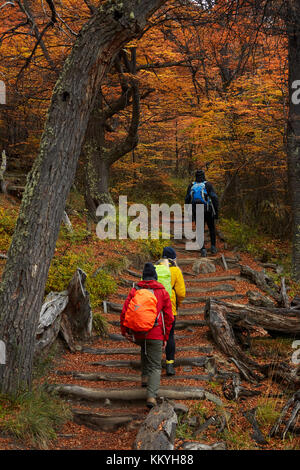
147 319
202 192
170 275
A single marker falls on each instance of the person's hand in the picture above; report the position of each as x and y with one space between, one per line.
164 344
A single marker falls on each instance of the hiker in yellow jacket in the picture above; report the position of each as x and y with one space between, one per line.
178 294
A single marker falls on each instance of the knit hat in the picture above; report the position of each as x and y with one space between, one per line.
169 252
200 176
149 272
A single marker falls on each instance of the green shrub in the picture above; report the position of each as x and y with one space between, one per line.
116 265
266 413
100 287
8 220
77 236
63 268
153 248
35 417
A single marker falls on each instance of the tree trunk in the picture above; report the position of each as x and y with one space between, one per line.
293 128
49 182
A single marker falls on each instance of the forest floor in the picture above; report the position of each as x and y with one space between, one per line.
237 434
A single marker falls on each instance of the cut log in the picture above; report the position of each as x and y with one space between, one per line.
200 361
180 325
220 287
136 351
101 377
158 430
214 279
132 394
76 319
101 422
195 300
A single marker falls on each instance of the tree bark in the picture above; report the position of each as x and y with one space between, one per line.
49 182
293 127
98 156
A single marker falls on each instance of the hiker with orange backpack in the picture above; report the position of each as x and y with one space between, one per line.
147 319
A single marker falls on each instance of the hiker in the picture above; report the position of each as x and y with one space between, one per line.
177 296
149 298
202 192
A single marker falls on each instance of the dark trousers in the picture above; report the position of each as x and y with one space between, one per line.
209 220
170 347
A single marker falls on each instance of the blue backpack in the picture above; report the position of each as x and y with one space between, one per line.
199 194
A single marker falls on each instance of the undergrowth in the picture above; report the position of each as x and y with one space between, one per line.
33 417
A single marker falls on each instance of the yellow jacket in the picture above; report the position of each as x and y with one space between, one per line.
178 287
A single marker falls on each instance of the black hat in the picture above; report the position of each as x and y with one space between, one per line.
200 175
169 252
149 272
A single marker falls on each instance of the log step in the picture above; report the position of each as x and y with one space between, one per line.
133 394
198 361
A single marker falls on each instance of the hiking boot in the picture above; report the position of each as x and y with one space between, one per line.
203 252
213 250
170 369
144 381
151 402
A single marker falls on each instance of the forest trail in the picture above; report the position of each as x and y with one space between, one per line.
102 381
113 363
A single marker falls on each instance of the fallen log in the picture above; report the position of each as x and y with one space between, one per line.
257 434
233 390
259 300
216 318
294 405
261 280
222 318
158 431
199 446
270 319
132 394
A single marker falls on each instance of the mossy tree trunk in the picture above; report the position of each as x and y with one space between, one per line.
99 154
22 289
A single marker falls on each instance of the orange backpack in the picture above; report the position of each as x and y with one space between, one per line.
141 313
